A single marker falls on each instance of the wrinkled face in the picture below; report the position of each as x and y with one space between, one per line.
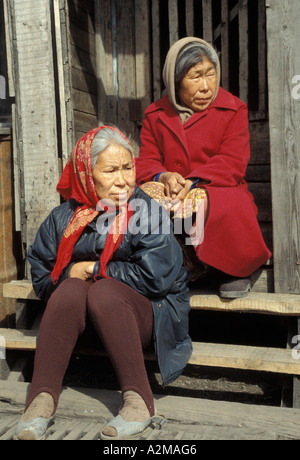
198 87
114 174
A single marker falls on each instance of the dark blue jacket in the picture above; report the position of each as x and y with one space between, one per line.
149 259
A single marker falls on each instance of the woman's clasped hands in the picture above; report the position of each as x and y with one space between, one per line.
176 190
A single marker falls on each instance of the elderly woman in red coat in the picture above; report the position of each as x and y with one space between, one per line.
195 148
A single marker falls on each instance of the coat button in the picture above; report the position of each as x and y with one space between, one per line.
159 305
179 164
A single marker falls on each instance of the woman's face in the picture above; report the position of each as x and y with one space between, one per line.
198 87
114 174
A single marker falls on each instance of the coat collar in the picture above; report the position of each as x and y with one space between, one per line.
224 100
169 116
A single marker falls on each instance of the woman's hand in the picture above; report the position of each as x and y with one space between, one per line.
176 187
173 183
82 270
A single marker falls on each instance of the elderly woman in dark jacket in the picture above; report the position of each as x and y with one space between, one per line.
107 257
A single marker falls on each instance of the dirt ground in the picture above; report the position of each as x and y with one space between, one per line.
197 382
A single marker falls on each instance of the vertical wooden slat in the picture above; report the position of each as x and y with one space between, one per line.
262 87
100 61
126 72
106 68
114 48
283 32
156 61
243 50
61 83
11 85
207 21
8 266
173 21
142 58
16 169
67 76
189 17
225 44
8 44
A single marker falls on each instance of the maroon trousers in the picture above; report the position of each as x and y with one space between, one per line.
122 319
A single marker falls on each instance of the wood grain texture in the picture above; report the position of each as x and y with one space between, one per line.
283 31
36 133
265 359
255 302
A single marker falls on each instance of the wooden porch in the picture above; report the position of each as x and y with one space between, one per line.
82 412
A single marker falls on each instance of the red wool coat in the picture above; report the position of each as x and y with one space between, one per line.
212 145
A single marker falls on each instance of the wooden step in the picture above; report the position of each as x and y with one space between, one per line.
204 354
20 289
254 302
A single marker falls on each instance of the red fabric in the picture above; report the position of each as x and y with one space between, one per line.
77 182
212 145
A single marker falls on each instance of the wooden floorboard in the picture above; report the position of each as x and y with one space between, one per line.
82 412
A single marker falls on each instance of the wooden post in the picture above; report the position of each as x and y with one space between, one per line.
283 34
35 130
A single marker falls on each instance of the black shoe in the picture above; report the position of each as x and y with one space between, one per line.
233 288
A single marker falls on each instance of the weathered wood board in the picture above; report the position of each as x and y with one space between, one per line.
255 302
80 410
36 128
283 31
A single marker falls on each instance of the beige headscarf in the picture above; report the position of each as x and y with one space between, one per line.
169 73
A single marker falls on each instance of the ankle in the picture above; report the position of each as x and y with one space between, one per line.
134 407
41 406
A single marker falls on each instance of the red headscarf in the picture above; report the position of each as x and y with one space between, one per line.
77 182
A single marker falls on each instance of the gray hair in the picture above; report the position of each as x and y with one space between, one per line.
104 138
190 55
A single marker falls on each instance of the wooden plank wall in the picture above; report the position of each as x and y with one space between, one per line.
83 65
123 57
104 58
283 19
35 122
